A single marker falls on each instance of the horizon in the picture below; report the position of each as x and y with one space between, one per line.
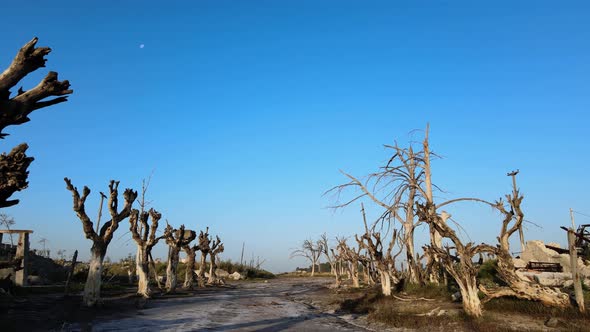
244 114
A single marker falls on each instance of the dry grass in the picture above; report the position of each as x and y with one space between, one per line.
505 314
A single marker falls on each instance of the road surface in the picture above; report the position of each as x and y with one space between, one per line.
276 305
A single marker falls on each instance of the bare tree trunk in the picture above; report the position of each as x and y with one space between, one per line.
312 268
338 281
189 276
216 248
354 273
435 237
173 253
93 282
156 276
202 267
212 268
143 270
413 274
385 282
469 294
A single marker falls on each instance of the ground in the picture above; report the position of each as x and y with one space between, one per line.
282 304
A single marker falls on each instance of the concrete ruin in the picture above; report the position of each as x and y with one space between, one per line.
537 251
20 273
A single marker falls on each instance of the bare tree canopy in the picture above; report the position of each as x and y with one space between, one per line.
15 110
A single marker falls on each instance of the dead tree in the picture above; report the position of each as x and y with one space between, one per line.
102 238
145 237
396 188
464 272
351 256
205 248
216 249
176 240
311 251
189 275
384 261
331 258
15 110
517 286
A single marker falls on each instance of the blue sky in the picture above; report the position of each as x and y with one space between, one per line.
246 110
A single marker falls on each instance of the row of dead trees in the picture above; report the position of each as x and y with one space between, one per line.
403 190
15 110
143 226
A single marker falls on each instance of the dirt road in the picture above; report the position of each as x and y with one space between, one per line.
276 305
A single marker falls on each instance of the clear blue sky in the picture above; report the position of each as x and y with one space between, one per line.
246 110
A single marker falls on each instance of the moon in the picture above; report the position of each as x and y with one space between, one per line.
141 45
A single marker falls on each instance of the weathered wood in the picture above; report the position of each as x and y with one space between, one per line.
71 272
22 251
578 292
464 272
14 231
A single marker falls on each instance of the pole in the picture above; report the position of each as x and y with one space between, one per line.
242 256
102 197
578 292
